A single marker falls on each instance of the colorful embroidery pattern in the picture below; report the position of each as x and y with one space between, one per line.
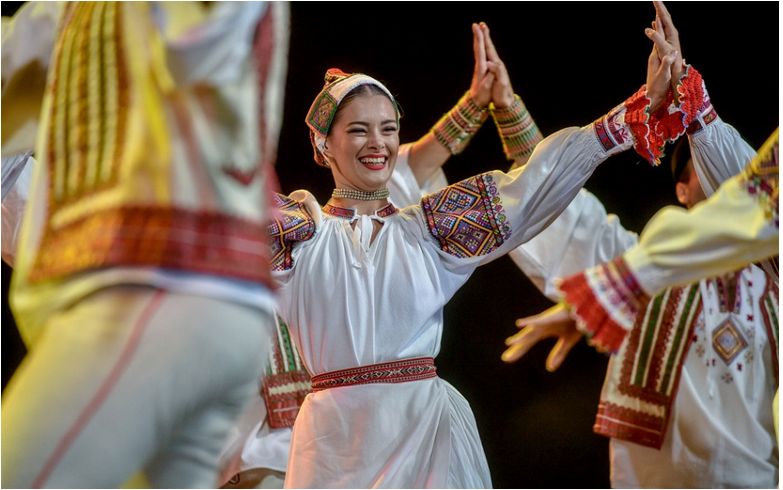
350 213
293 225
609 129
286 383
668 124
761 179
211 243
89 109
650 366
390 372
467 218
770 311
659 341
606 300
728 341
707 114
321 116
644 376
614 420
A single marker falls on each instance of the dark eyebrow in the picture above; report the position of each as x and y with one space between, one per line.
362 123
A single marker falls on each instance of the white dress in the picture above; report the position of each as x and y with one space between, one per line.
351 302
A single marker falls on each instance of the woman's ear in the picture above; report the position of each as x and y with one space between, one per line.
682 193
327 154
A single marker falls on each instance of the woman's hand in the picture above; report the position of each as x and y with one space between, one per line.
483 79
502 92
663 24
659 63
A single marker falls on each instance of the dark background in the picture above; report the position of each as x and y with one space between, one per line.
570 62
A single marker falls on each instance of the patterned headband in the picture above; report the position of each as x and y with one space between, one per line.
319 118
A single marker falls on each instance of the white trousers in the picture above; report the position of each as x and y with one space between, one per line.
132 378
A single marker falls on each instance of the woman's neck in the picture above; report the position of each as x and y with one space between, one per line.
361 206
365 202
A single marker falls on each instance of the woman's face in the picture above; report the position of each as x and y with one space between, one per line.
363 142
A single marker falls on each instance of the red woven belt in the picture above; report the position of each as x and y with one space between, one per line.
388 372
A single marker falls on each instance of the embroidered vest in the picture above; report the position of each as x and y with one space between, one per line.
643 376
131 181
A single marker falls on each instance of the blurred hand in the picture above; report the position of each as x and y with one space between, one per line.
554 322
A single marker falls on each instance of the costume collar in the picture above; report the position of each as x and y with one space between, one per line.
350 213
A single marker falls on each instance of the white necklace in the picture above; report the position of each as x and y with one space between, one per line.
360 195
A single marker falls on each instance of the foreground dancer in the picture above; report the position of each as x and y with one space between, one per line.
363 284
142 281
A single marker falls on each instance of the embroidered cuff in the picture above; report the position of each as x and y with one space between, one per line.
637 116
517 130
605 301
706 116
458 126
672 122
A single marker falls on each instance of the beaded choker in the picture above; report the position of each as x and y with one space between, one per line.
360 195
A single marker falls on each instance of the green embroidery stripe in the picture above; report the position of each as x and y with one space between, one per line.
680 335
773 316
288 349
646 339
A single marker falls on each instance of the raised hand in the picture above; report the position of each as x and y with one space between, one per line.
659 63
502 92
554 322
663 24
483 79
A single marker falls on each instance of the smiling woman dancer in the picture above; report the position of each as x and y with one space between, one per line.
363 284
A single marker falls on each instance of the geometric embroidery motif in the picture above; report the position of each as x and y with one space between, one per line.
728 341
609 130
467 218
286 383
322 114
293 225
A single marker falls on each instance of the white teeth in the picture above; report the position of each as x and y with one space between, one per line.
373 160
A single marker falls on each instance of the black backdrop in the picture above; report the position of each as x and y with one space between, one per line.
570 62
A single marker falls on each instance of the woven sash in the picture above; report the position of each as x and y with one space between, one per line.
389 372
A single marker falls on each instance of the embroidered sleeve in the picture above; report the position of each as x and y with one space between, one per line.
637 117
651 132
293 223
737 225
605 301
630 123
671 121
467 218
760 178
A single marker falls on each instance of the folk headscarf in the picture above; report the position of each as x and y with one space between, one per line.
319 118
